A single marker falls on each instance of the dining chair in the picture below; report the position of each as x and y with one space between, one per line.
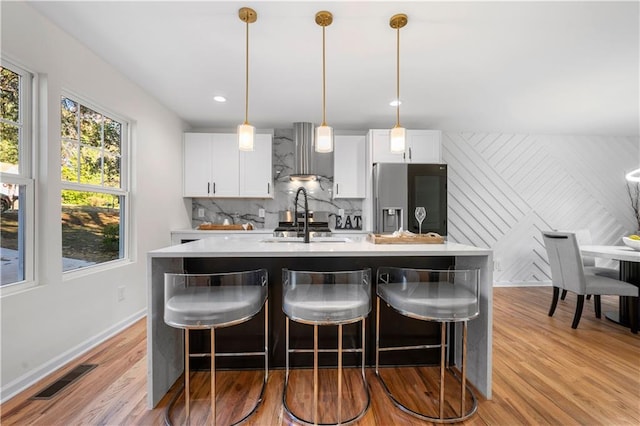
568 273
211 301
583 236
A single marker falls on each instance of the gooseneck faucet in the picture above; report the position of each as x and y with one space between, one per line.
306 212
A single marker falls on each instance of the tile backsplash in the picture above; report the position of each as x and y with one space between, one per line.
243 210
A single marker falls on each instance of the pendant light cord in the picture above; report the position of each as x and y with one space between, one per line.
398 77
246 94
324 100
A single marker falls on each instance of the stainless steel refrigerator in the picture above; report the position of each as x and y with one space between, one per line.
399 188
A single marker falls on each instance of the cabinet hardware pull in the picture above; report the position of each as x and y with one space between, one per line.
268 188
404 156
409 153
208 187
337 188
214 187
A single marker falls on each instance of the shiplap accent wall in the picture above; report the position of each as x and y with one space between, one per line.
505 188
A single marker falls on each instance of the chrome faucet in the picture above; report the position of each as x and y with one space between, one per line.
306 213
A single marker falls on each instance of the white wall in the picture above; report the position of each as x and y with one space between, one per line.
505 188
54 321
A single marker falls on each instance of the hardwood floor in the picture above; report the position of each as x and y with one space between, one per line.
544 373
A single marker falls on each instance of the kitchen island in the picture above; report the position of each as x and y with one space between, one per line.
225 254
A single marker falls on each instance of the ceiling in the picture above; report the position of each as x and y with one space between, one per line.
526 67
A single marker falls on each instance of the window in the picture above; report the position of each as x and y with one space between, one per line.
17 185
94 185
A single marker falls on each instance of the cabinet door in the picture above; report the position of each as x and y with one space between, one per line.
255 169
225 165
349 167
380 147
424 146
196 165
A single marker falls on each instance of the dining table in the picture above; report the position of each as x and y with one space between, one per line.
629 260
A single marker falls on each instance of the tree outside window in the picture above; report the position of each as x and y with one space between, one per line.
93 195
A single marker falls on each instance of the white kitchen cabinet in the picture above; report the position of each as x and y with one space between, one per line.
214 167
225 161
349 167
423 146
196 160
255 169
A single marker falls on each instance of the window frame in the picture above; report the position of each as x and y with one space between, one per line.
28 104
122 191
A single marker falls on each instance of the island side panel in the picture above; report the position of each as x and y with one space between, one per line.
480 329
165 356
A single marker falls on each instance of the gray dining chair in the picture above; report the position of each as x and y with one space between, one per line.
568 273
583 236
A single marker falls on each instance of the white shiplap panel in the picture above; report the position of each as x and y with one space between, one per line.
505 188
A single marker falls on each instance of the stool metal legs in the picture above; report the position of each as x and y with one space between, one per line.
187 370
213 375
316 351
187 356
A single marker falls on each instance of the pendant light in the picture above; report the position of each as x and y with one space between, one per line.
246 131
398 133
324 133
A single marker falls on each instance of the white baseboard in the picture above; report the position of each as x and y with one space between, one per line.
21 383
522 284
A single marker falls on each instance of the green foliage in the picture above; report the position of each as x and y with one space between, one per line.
94 199
111 237
9 108
90 149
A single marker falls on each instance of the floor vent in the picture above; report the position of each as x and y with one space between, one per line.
65 381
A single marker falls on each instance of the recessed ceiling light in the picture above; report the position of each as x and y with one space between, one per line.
220 99
395 103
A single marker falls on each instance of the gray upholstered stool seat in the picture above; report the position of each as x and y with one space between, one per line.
435 302
321 299
444 296
208 307
211 301
326 304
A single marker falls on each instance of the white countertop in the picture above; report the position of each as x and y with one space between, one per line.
255 231
230 246
612 252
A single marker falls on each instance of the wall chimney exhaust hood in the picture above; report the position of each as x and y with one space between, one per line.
308 164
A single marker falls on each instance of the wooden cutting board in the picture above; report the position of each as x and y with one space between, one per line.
430 238
218 227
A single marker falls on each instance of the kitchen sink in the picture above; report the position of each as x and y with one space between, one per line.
311 240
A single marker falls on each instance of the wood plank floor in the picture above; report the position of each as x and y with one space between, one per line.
544 373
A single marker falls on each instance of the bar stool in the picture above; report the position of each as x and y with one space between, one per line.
321 299
444 296
211 301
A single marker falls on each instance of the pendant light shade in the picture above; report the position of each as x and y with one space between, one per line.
397 139
324 133
398 133
246 131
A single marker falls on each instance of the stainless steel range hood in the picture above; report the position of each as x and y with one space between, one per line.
307 163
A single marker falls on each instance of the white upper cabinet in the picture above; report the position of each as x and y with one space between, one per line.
225 161
255 169
215 167
349 167
423 146
197 165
